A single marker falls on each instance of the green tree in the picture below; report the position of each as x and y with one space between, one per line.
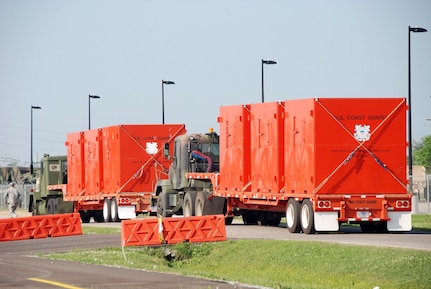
422 153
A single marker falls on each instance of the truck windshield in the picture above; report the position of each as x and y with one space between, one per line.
210 149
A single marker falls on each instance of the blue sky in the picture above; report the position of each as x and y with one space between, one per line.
54 53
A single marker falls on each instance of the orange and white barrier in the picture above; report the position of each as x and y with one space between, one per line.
37 227
153 231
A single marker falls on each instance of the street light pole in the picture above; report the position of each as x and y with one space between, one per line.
409 103
163 98
90 96
265 61
31 138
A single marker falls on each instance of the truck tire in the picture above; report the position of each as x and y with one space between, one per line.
228 220
266 218
49 207
98 216
56 202
307 217
262 218
249 217
114 210
162 205
293 210
52 206
274 219
200 203
107 210
189 204
85 216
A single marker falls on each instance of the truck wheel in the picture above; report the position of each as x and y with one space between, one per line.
49 206
189 204
199 203
266 218
292 216
56 201
162 203
274 219
85 216
307 217
98 216
52 206
249 217
228 220
114 210
107 210
262 218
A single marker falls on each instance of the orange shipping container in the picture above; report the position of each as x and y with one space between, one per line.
267 143
75 164
345 146
117 159
134 153
235 147
93 153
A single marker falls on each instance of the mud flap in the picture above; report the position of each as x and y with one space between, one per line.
399 221
214 206
126 212
326 221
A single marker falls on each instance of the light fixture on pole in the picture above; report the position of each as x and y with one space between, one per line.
31 137
265 61
409 103
163 98
90 96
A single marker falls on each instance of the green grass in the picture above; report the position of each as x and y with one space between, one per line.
421 223
274 263
100 230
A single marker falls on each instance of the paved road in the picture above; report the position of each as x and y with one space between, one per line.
347 235
17 265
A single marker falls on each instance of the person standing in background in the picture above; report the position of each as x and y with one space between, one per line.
13 200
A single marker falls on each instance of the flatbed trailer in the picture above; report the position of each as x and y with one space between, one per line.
319 162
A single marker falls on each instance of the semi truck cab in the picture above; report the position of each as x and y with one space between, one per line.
192 153
53 171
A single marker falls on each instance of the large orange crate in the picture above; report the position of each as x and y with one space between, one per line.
267 143
93 154
133 156
235 173
118 159
345 146
75 163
